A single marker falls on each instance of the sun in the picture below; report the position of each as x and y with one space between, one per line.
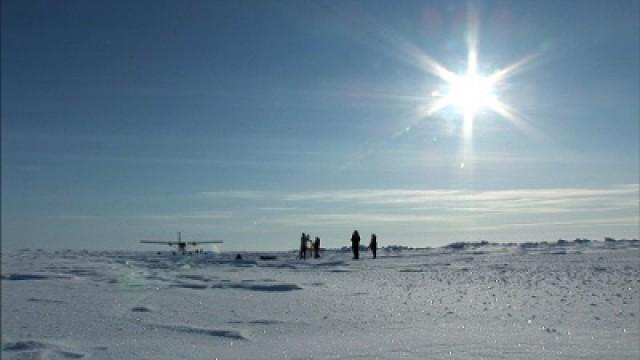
471 93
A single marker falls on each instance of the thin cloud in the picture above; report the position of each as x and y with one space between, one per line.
444 209
553 200
525 200
277 208
234 194
343 219
626 221
166 217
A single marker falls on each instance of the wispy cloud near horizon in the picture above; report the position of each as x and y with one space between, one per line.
404 196
194 216
233 194
406 215
551 200
444 209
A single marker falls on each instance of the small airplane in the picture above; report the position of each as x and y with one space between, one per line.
180 245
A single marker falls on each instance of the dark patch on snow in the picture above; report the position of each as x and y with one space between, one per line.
266 322
22 277
276 287
193 277
189 329
190 286
258 322
36 350
281 266
259 287
70 354
25 345
141 309
332 263
49 301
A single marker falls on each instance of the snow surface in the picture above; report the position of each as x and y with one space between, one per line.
578 301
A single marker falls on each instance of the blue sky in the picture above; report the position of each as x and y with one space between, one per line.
252 121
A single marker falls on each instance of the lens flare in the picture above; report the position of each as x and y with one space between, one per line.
471 93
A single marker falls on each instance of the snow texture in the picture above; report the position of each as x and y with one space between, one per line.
553 301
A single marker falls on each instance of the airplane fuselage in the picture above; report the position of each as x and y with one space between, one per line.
180 245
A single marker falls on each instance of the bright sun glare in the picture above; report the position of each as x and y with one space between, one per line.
469 93
472 92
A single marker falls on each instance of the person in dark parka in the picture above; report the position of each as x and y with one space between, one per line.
355 244
373 245
303 246
316 248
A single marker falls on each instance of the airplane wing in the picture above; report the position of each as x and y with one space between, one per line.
174 243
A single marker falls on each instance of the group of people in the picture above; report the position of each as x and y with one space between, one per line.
355 244
306 245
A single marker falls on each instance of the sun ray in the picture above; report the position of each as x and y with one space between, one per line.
472 41
468 92
439 104
510 114
512 69
409 52
471 92
467 125
435 68
472 62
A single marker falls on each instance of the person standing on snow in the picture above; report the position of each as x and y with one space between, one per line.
373 245
316 248
355 244
303 246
